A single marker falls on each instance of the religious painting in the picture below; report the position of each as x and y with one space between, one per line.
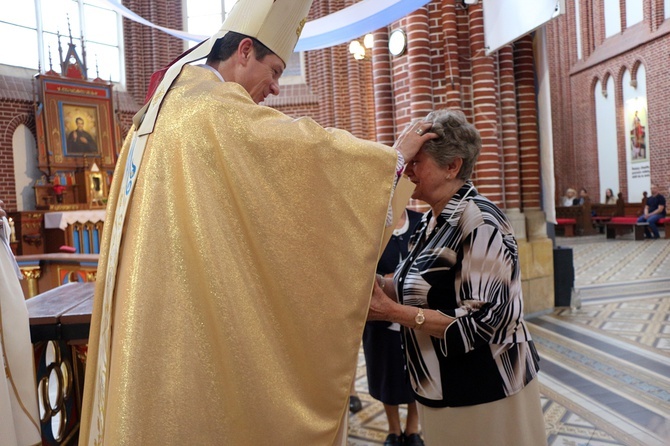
80 130
76 124
637 131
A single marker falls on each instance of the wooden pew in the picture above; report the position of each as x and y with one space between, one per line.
666 226
625 225
59 326
567 226
581 214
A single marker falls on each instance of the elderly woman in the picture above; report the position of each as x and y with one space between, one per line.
473 367
570 198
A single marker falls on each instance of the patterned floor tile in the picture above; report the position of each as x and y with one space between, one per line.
605 378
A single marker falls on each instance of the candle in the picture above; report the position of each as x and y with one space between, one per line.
12 231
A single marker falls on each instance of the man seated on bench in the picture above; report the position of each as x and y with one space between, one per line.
654 210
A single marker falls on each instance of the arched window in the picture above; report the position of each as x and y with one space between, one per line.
36 24
634 12
612 11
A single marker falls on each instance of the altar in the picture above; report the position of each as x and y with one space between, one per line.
40 232
56 247
79 230
62 220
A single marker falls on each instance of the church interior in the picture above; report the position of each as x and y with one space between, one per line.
67 104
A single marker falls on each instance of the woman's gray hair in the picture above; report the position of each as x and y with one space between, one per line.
457 138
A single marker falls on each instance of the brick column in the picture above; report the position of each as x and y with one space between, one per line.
382 89
509 128
451 69
339 65
418 62
351 92
485 113
527 115
320 72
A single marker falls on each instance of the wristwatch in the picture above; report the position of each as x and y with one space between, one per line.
419 318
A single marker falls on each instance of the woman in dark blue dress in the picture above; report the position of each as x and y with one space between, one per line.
382 343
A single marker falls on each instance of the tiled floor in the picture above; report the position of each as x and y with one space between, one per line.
605 367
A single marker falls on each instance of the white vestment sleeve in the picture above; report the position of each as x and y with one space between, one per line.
19 421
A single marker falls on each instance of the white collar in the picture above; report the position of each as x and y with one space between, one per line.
212 70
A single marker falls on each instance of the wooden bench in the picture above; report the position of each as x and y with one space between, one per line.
599 222
665 221
567 225
625 225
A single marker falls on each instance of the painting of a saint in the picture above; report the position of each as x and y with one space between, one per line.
637 138
81 130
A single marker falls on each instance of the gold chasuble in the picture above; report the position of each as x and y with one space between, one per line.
245 271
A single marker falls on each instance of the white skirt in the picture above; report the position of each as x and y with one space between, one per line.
516 420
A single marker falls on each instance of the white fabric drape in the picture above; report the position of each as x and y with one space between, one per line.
339 27
19 422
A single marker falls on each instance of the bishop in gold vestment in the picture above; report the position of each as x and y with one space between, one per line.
245 272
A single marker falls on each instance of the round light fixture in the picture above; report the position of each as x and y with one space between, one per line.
397 42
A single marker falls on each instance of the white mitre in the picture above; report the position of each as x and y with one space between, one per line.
276 24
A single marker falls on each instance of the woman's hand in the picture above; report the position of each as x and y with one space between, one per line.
380 304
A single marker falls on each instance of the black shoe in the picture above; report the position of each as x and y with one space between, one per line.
355 404
413 440
393 440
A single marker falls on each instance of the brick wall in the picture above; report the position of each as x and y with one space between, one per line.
16 108
573 81
374 98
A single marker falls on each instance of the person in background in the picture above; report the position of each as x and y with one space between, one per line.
19 416
388 381
654 210
472 364
609 196
583 197
570 198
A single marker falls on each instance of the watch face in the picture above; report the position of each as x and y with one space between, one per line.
420 318
397 42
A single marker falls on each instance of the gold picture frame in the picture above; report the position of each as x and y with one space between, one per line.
75 124
96 190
